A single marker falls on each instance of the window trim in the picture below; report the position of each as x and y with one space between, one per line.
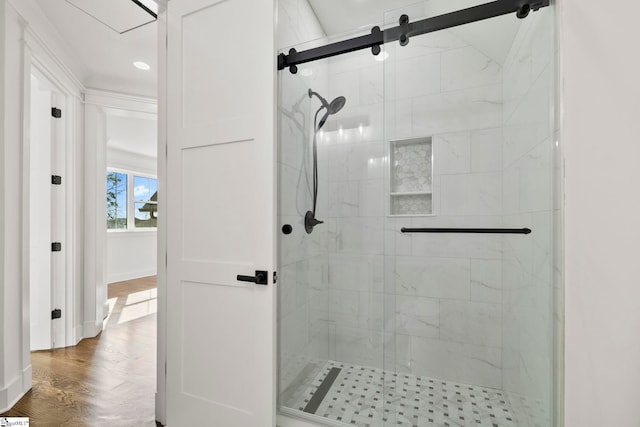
131 226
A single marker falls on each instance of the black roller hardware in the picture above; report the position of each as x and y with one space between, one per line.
406 30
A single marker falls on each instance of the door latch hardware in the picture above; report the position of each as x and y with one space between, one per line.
56 247
56 314
56 112
56 179
261 278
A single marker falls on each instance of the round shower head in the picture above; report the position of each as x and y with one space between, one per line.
336 105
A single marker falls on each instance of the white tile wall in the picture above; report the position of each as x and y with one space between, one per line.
470 109
467 67
452 153
417 316
471 194
486 150
468 363
432 277
471 322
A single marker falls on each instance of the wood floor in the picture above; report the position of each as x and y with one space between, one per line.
109 380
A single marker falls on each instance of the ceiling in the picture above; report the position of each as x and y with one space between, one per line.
493 37
106 54
107 46
132 132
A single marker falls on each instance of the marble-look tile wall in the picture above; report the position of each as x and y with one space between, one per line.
529 163
433 302
303 258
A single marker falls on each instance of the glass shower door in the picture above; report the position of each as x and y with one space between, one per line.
331 285
469 137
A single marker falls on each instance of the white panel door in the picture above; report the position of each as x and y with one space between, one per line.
220 212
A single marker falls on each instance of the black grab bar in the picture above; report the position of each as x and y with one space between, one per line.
468 230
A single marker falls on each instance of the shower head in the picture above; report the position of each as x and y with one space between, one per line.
336 105
332 108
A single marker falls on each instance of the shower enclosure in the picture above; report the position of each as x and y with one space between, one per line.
423 293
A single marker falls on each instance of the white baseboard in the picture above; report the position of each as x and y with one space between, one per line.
91 329
130 275
78 335
14 391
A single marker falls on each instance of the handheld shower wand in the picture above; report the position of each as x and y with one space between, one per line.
331 108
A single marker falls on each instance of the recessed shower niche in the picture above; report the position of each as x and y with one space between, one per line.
411 177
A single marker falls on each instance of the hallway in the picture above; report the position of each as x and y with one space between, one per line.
109 380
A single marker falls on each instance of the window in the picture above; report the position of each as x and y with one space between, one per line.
145 198
116 201
132 201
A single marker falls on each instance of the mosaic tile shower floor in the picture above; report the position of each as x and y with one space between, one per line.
355 398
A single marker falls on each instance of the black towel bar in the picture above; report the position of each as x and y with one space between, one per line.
468 230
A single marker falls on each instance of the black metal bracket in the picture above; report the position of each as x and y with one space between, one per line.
261 278
468 230
407 29
56 180
56 112
56 246
56 314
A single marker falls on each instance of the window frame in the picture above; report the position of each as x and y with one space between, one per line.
131 201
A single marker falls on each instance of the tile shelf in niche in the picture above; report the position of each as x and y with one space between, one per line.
411 177
409 193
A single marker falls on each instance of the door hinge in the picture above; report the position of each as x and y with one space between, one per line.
56 246
56 179
56 112
56 314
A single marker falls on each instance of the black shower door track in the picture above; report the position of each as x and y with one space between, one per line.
407 29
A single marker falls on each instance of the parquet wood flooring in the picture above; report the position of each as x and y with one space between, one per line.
109 380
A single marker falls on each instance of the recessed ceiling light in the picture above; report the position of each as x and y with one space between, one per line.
142 65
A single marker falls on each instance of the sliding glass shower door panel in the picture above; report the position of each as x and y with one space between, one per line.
469 217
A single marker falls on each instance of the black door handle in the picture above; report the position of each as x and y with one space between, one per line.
261 278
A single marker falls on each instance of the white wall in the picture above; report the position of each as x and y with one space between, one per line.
601 128
15 374
131 254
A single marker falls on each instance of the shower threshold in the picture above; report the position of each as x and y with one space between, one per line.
345 394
